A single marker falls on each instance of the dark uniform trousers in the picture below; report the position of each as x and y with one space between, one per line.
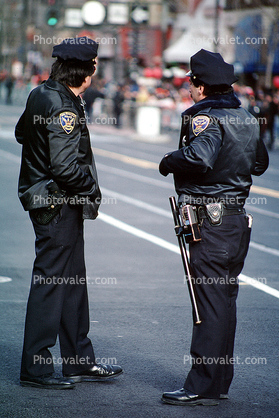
216 262
58 301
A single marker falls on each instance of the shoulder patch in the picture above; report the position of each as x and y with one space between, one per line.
67 121
199 124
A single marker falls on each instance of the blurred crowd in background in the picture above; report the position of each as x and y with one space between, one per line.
107 102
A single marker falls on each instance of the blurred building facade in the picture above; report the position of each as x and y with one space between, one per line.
143 36
130 33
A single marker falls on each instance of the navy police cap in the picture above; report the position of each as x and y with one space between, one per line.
83 49
210 68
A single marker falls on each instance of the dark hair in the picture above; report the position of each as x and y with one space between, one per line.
211 90
72 72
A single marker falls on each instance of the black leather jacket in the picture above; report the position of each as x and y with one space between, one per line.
219 150
56 146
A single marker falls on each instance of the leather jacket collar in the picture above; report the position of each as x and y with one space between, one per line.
63 88
217 101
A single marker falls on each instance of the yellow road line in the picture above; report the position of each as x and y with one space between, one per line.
126 159
149 164
265 191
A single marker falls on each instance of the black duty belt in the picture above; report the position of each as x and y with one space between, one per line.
214 212
202 213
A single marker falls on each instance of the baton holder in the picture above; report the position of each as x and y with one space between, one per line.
179 231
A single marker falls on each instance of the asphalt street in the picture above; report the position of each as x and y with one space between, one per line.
139 305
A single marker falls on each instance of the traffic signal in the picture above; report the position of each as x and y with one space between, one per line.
52 16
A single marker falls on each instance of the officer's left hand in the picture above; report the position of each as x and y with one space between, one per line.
163 166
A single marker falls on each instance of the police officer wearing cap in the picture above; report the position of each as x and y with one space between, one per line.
58 185
219 149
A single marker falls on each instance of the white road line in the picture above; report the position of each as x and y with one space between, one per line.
136 202
264 248
7 134
9 156
133 176
259 285
106 138
138 233
162 212
4 279
262 211
175 249
273 170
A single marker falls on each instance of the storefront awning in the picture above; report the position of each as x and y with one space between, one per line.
186 46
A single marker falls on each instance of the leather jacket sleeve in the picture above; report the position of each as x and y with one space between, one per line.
19 129
262 159
63 153
198 157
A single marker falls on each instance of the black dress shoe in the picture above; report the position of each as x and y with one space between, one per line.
47 381
96 373
185 397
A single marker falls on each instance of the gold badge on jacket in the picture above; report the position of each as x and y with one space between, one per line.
67 121
199 124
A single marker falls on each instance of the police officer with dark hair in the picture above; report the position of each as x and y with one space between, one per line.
58 185
219 149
